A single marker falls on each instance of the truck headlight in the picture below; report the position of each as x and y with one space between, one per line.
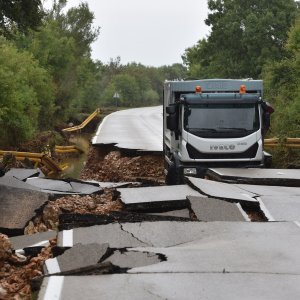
190 171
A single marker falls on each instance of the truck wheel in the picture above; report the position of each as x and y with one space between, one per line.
173 177
170 177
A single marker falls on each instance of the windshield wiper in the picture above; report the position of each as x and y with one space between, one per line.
234 128
201 129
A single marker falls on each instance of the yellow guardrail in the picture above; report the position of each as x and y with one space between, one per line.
292 143
67 149
38 158
84 123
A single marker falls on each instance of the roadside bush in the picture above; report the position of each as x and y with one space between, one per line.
24 88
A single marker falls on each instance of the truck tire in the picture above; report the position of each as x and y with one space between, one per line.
173 177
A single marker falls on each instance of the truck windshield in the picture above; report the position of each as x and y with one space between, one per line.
221 120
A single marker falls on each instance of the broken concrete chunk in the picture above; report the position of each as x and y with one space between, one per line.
281 177
179 213
245 247
56 186
17 207
50 184
113 234
33 240
159 197
78 257
221 190
209 209
265 190
281 208
16 183
114 184
175 286
128 260
84 187
23 174
156 234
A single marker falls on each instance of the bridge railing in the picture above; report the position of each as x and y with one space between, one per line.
67 149
84 123
39 159
292 143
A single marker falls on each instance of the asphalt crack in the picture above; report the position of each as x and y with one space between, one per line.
136 238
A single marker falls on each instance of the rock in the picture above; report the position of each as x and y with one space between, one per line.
50 215
5 247
3 293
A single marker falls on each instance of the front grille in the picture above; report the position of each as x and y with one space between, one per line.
195 154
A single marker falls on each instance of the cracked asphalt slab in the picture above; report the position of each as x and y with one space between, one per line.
232 247
78 257
17 207
209 209
172 286
258 176
221 190
281 208
156 198
235 256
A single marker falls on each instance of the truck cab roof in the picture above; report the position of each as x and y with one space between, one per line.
204 98
216 85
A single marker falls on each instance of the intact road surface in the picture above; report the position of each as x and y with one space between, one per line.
137 128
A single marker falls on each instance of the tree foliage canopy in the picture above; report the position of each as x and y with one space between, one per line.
244 36
47 73
26 93
282 80
22 14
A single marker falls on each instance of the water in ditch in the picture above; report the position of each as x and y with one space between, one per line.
77 163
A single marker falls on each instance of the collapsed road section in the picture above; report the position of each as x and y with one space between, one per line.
159 233
122 234
163 260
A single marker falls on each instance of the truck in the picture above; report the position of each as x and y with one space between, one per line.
213 123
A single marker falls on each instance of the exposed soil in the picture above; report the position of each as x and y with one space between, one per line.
91 204
16 271
116 166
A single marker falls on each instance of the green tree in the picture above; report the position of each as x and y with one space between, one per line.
56 52
244 36
62 46
282 80
147 82
22 14
26 94
128 90
78 25
151 97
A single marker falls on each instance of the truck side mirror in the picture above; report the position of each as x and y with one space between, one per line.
267 120
268 110
172 118
171 109
172 122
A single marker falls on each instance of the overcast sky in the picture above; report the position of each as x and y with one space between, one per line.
151 32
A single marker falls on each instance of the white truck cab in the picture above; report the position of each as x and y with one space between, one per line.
213 123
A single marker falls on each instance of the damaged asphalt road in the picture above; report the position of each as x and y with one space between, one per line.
139 234
194 253
149 242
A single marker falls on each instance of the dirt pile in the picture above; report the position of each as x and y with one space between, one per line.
117 167
91 204
16 270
